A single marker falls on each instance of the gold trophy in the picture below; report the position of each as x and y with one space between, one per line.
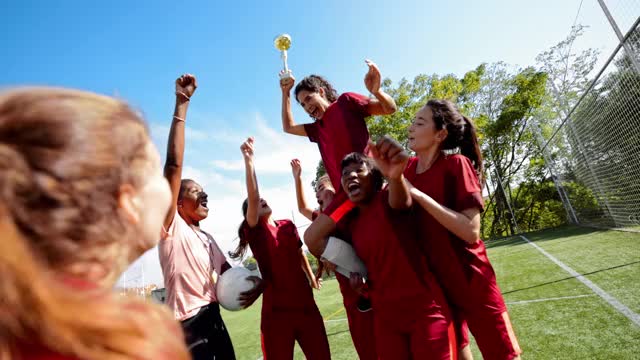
283 43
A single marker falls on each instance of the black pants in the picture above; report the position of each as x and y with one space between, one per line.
207 336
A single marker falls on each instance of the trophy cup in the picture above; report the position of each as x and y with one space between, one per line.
283 43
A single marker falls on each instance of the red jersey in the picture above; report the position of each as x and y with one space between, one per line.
341 131
381 237
452 181
277 251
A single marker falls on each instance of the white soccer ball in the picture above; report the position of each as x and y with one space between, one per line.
230 285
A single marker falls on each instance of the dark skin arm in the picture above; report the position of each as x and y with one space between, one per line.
248 297
315 237
185 87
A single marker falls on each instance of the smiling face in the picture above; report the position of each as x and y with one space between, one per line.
358 182
324 195
314 103
264 209
192 204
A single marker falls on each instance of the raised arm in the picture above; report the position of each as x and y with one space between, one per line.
288 124
253 195
303 208
383 103
185 87
391 159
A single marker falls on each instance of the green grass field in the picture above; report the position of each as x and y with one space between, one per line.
554 315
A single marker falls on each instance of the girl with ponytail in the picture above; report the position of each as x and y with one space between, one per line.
447 177
289 312
83 197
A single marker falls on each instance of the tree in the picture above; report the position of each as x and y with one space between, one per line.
250 263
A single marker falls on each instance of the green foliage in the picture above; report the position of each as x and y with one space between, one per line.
512 107
250 263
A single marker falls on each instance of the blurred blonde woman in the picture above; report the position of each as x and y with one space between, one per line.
83 197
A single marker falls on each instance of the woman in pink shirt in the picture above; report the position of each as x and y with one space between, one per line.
190 258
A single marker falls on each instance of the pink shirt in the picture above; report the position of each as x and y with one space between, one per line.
190 266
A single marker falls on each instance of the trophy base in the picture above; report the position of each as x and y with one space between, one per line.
285 75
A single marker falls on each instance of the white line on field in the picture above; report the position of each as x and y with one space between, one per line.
623 309
548 299
335 320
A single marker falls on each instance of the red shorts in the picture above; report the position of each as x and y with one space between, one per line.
424 334
361 324
494 335
461 328
486 315
280 330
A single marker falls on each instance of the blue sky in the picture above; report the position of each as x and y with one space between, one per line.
135 50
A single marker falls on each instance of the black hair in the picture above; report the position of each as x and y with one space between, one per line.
314 83
360 158
241 249
461 132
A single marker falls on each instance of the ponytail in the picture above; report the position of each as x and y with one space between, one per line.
461 133
470 147
241 249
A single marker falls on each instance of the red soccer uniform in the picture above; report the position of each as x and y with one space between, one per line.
463 269
289 312
341 131
411 315
360 323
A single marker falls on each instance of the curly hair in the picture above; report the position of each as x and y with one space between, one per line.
314 83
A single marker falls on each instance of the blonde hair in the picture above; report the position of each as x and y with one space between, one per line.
63 156
323 180
37 311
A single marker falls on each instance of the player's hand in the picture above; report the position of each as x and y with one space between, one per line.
390 157
373 79
357 282
247 148
316 283
296 169
286 84
329 266
186 85
248 297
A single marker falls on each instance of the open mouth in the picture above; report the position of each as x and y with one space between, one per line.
203 201
315 112
353 188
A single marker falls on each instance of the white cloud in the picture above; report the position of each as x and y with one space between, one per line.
274 151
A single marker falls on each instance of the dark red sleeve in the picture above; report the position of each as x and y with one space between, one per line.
410 170
312 131
356 103
296 235
468 193
258 246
